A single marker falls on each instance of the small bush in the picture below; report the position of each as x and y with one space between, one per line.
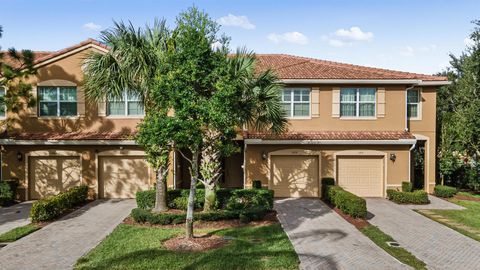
176 198
51 207
6 193
349 203
256 184
407 187
415 197
240 199
326 181
145 199
444 191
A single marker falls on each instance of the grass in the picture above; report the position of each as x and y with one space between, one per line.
381 239
469 194
135 247
18 233
465 221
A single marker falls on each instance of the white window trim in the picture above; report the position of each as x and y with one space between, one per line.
357 105
125 103
58 101
4 105
419 105
291 102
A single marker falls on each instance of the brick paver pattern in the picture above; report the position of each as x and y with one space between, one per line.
437 245
324 240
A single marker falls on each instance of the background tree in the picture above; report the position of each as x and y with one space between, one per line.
15 68
131 65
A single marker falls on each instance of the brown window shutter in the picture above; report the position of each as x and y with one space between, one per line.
315 101
381 102
80 101
102 108
336 102
32 111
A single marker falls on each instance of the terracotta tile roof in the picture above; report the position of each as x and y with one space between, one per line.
332 135
14 63
296 67
71 48
70 136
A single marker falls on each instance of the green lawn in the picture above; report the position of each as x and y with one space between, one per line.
469 194
465 221
381 239
18 233
135 247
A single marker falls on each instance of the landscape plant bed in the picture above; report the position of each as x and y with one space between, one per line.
467 196
198 243
357 222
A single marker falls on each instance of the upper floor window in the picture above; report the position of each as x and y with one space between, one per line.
413 103
57 101
357 102
296 102
3 106
128 105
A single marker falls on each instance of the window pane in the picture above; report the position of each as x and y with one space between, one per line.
413 96
348 109
47 93
367 109
116 108
133 97
68 108
412 110
348 95
296 95
301 109
287 95
135 108
48 108
367 94
305 95
286 107
68 94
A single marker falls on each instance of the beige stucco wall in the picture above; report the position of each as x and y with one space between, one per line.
256 168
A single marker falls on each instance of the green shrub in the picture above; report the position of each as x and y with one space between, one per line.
326 181
407 187
252 214
6 193
239 199
145 199
51 207
349 203
256 184
415 197
444 191
176 198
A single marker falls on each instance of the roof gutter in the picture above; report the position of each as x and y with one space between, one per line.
66 142
332 142
353 81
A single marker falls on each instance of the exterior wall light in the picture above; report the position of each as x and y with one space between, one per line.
264 155
19 156
393 157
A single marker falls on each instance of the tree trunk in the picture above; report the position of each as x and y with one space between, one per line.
161 190
210 167
210 198
191 197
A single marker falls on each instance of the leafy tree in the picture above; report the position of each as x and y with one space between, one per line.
131 65
15 68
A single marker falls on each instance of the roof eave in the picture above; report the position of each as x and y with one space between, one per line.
361 81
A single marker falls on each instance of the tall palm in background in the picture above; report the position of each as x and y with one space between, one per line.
131 65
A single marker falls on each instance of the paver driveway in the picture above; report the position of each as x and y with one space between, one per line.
14 216
324 240
437 245
60 244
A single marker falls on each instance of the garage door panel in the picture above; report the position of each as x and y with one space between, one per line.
52 175
295 176
123 176
362 176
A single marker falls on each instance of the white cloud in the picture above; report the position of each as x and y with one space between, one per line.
92 27
411 51
407 51
239 21
289 37
354 34
468 42
337 43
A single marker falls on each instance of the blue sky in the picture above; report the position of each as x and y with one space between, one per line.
407 35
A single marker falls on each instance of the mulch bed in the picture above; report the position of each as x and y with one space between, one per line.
466 198
270 219
198 243
359 223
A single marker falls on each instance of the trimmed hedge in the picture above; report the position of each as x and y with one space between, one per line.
407 187
144 216
52 207
326 181
230 199
415 197
444 191
8 189
349 203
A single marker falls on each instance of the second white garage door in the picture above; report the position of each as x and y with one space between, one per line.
122 176
295 176
361 175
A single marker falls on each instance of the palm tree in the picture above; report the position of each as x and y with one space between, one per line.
258 107
131 65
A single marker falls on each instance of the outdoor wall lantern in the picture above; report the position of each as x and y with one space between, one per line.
393 157
264 155
19 156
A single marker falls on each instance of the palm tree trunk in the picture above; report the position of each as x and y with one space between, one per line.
161 190
210 167
191 197
210 198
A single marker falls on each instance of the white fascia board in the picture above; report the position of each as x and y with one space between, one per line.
66 142
66 54
350 81
336 142
434 83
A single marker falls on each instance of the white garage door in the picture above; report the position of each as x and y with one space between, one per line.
51 175
361 175
122 176
295 176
